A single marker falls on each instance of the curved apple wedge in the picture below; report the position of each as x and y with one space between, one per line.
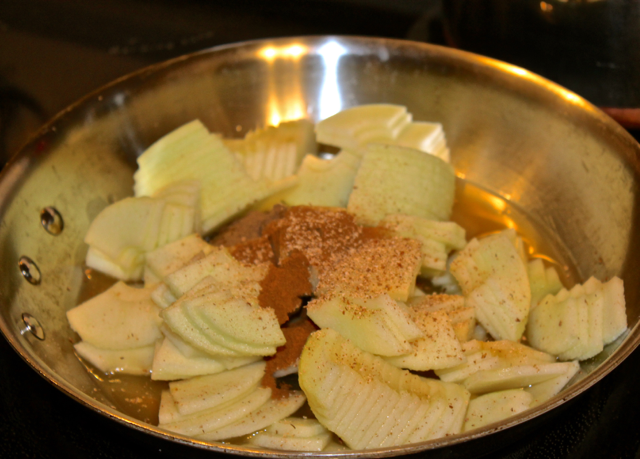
121 317
272 411
576 324
494 281
398 180
378 325
203 392
495 407
370 403
294 434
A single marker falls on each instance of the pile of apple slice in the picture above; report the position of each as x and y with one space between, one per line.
198 322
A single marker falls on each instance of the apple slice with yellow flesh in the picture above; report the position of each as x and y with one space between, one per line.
495 407
378 325
368 402
122 317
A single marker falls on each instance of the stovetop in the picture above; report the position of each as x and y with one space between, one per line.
52 52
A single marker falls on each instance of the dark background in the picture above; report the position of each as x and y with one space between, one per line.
52 52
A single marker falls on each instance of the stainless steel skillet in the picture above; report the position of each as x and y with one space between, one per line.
556 158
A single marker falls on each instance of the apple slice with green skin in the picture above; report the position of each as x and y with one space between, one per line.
135 361
615 317
130 222
475 363
162 296
185 138
397 180
555 326
347 386
591 310
122 317
214 418
379 325
495 407
242 319
204 392
272 411
382 123
122 233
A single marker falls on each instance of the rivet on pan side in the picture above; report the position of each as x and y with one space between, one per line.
29 270
31 325
51 220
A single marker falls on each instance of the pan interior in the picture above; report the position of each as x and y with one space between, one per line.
528 155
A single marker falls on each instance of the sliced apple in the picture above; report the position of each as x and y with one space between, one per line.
122 317
543 391
494 281
358 126
191 153
366 401
220 265
214 418
275 152
204 392
397 180
382 123
171 257
438 239
293 434
438 348
169 364
463 318
495 407
322 182
136 361
379 325
543 281
272 411
577 324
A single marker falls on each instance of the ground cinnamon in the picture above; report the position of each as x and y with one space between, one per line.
287 355
284 286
